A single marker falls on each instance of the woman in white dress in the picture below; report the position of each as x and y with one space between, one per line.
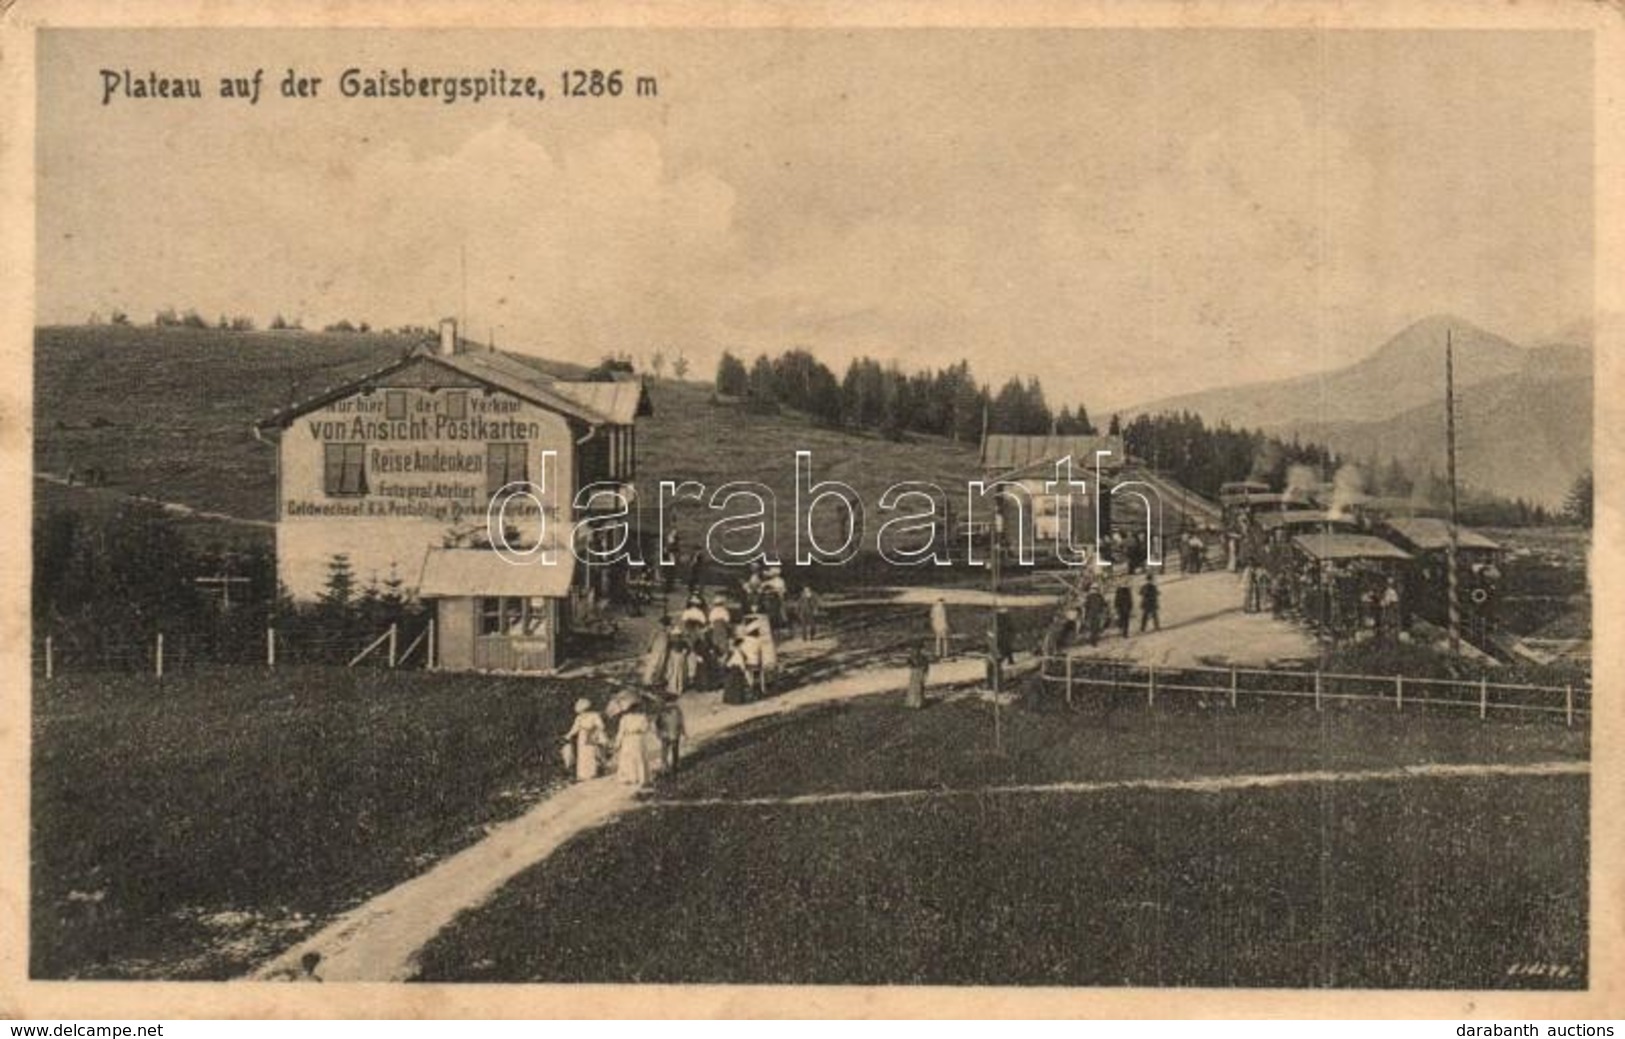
632 754
590 737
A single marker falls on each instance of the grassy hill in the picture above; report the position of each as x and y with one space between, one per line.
169 413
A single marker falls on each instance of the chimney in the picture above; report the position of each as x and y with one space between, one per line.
448 336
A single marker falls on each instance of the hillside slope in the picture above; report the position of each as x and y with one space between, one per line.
169 413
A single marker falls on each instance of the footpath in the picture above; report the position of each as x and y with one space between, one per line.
380 939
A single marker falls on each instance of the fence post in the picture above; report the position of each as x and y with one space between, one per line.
1399 692
1069 680
1150 684
1568 704
270 647
429 661
1232 688
1317 690
50 665
1483 698
393 635
158 659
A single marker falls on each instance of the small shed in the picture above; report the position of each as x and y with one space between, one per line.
493 612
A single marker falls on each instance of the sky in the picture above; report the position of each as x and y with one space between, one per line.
1126 214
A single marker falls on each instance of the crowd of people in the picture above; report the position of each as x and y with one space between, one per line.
721 639
1335 600
646 727
1103 601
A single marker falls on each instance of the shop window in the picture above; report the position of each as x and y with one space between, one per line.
344 469
504 464
394 405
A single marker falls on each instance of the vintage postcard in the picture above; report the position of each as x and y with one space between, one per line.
1085 510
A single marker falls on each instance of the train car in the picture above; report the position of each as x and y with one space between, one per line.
1341 579
1479 567
1267 536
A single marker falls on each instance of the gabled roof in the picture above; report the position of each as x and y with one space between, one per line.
1332 547
1014 451
1426 534
455 572
620 402
497 371
1300 518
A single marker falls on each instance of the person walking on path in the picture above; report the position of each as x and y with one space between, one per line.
587 737
767 650
696 571
1150 603
1123 605
995 662
807 614
669 726
677 665
736 677
1004 635
919 663
673 559
632 756
940 631
1094 614
653 673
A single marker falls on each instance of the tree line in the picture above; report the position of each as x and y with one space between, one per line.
950 402
947 402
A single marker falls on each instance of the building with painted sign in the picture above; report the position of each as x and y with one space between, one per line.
396 470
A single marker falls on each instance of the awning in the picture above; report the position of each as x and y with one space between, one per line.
1339 547
460 572
1427 534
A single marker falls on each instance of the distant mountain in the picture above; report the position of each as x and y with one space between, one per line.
1523 435
1405 373
1523 415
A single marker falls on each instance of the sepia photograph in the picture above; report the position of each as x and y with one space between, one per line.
1075 507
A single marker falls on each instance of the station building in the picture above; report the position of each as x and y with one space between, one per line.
396 470
1026 464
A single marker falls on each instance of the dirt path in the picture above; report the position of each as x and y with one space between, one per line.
1200 784
1203 623
379 940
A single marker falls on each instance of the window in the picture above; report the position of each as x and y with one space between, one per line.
457 404
344 471
509 615
394 405
504 464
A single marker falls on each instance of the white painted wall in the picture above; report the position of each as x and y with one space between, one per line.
395 528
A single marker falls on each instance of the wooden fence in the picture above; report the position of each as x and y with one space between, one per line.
392 648
1229 685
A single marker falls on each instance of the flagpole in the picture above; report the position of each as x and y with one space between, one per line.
1450 466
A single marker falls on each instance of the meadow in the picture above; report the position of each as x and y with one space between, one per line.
188 828
772 862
